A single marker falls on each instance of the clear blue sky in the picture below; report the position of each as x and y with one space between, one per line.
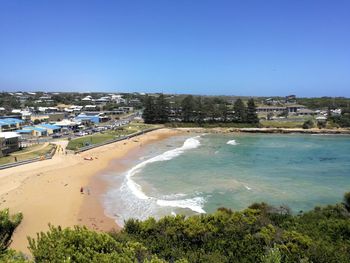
229 47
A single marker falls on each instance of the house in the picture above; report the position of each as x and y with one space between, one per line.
67 124
291 99
295 108
9 142
117 99
271 101
50 128
305 112
102 100
74 109
268 109
90 107
87 99
85 117
35 131
10 124
126 109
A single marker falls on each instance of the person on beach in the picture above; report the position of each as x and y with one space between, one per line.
81 190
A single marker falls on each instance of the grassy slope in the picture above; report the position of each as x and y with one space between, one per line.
28 153
107 135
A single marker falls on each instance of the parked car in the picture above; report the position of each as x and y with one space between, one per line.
56 135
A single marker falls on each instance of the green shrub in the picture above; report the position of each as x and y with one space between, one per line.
8 225
82 245
308 124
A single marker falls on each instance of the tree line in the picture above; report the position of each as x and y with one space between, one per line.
198 110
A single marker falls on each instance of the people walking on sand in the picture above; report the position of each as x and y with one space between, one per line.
81 190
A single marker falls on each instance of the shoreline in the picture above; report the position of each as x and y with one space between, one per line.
266 130
49 191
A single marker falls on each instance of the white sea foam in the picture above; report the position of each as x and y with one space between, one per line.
247 187
195 204
232 142
141 206
190 143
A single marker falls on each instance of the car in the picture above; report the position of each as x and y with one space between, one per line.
56 135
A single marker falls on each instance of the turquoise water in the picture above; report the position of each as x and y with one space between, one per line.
300 171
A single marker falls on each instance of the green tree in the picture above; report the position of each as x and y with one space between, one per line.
8 225
308 124
209 109
199 110
188 107
240 111
149 112
252 116
161 110
223 111
37 121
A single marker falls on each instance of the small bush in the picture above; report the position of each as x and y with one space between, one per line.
308 124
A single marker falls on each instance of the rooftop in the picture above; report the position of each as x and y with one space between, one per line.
9 135
50 126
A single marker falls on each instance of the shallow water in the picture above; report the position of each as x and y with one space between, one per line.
195 174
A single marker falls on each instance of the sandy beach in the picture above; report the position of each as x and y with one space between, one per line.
49 191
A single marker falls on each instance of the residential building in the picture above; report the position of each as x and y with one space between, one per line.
9 142
10 124
268 109
305 112
34 131
50 128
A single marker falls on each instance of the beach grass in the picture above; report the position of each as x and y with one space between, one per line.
281 124
27 153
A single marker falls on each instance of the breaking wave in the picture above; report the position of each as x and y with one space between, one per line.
232 142
138 204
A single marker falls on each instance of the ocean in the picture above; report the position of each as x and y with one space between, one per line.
198 173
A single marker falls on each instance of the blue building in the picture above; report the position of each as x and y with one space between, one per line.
88 118
10 124
34 131
51 129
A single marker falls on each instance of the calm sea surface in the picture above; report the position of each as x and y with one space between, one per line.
198 173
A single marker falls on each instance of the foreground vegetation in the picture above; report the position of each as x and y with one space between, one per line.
260 233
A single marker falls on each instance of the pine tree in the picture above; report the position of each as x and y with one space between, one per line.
252 116
240 111
199 110
149 112
188 106
161 110
223 111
